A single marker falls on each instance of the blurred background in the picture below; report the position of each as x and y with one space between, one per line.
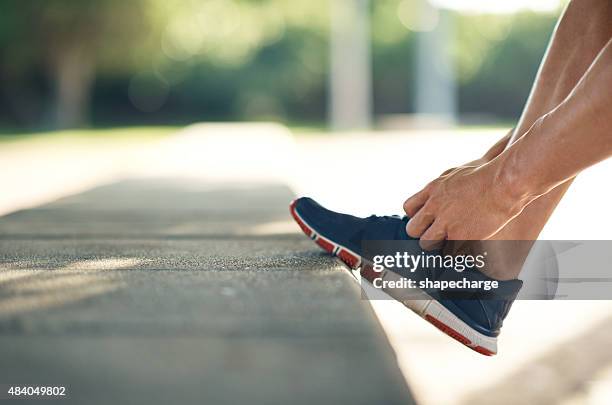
108 63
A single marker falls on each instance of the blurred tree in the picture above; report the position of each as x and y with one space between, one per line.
498 58
67 39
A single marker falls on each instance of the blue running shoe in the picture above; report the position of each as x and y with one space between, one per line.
475 322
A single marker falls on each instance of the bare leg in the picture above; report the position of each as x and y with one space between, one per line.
581 33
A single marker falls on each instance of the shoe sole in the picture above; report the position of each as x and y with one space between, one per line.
426 307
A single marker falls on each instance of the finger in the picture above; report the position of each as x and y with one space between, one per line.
415 203
419 223
433 238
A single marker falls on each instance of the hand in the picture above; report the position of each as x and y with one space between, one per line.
473 163
465 203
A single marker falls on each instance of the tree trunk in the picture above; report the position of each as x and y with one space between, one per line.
350 93
435 98
73 75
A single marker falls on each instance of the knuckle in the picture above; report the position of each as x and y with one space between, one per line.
428 213
432 204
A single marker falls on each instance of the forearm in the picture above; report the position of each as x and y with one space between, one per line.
572 137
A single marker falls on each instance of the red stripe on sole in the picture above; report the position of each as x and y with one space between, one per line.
348 258
484 351
297 219
457 336
448 330
328 247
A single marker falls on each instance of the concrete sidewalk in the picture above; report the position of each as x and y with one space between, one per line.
164 291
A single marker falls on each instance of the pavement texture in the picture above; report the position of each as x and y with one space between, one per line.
180 291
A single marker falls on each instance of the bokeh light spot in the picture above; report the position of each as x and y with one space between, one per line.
417 15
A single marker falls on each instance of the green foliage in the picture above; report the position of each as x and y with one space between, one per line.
498 79
244 59
39 30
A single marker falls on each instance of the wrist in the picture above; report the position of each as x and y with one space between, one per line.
516 187
521 169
